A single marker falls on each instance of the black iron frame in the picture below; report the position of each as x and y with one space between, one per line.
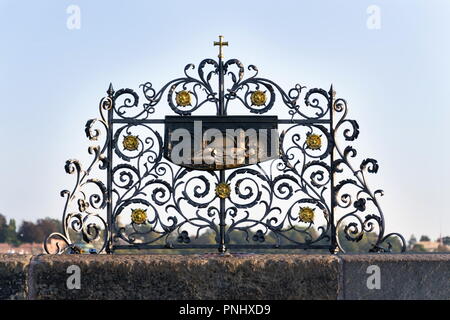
328 118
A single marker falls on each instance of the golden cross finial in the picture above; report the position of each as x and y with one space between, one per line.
221 44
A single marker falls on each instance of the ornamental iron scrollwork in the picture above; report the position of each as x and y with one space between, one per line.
311 197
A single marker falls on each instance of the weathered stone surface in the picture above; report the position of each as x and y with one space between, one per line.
403 276
250 276
188 277
13 276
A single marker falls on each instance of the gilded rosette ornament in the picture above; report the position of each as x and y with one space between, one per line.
183 98
314 141
130 143
138 216
258 98
306 214
223 190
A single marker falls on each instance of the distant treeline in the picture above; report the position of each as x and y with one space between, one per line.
27 232
35 232
290 237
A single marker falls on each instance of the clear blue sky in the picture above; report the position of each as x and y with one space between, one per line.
395 79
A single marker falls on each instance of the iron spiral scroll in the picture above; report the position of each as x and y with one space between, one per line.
311 197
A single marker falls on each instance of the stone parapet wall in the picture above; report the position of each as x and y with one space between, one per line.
228 277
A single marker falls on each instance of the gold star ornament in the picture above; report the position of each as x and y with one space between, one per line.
130 143
138 216
258 98
314 141
183 98
223 190
306 214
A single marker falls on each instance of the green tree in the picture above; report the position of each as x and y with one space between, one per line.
30 232
412 241
47 226
3 227
446 240
424 238
11 234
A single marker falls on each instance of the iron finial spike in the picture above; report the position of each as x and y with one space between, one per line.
110 90
331 92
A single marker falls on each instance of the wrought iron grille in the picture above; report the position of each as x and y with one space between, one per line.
310 197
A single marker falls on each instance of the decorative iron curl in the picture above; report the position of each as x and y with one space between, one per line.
82 210
195 86
358 198
301 176
312 108
314 105
155 186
